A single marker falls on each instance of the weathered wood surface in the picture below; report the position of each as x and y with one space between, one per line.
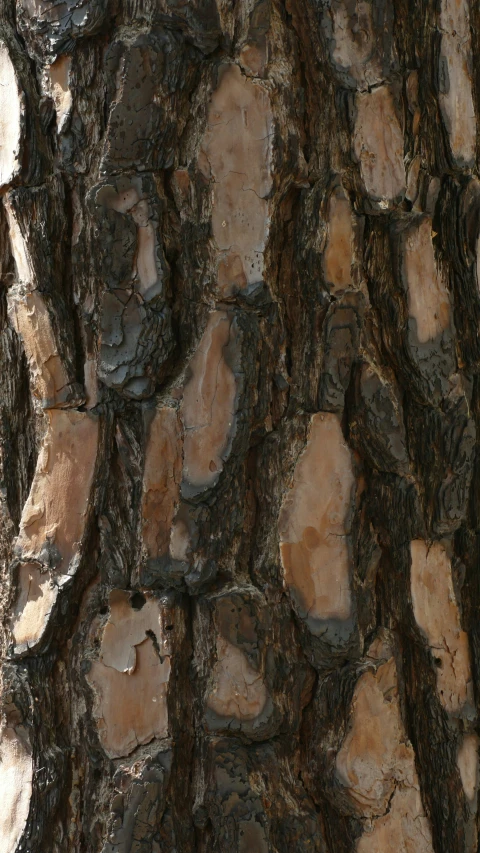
239 395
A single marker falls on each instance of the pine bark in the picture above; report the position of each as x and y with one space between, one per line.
239 393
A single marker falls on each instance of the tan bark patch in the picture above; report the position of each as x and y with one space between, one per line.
30 317
467 762
376 765
130 680
428 300
131 708
456 96
238 689
374 755
236 153
436 613
314 524
378 147
355 42
127 628
56 509
36 596
161 480
11 110
405 829
19 247
16 773
208 405
338 256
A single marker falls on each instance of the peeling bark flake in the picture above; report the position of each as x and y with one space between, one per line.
378 148
16 775
130 680
314 526
236 154
436 613
376 765
54 516
11 117
208 407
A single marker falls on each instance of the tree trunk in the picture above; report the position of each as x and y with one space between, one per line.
240 284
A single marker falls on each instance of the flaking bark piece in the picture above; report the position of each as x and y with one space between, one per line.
136 334
338 254
314 529
16 778
53 525
238 696
25 151
378 148
210 402
437 615
409 291
455 87
130 679
359 39
39 307
376 766
236 155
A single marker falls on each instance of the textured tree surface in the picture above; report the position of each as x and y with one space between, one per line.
239 390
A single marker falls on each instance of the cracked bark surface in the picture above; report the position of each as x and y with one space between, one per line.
239 398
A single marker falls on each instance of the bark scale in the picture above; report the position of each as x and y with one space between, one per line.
239 248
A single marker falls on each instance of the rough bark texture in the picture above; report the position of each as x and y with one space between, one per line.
239 397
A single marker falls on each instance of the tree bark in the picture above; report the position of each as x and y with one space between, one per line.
240 307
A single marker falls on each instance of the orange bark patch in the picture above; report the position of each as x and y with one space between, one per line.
428 300
467 762
32 322
56 508
436 613
456 95
130 680
376 765
355 41
378 146
314 524
337 259
36 596
236 154
405 829
208 405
